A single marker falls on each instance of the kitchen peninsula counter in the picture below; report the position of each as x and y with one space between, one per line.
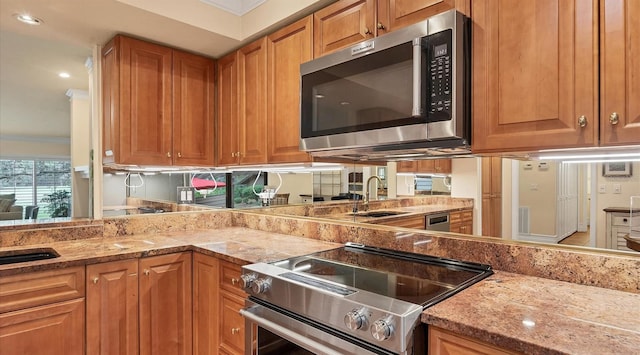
235 244
533 315
513 311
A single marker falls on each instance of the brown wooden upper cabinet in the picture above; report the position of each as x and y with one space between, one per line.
348 22
287 48
242 105
619 72
158 105
535 74
430 166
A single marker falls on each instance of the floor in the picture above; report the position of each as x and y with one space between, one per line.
577 238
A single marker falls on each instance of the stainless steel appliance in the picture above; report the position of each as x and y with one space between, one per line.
437 222
402 94
351 300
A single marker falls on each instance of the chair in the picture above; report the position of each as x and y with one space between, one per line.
31 212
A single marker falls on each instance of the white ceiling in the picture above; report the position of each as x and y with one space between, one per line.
32 96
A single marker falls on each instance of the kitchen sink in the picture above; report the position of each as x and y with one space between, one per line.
379 213
20 256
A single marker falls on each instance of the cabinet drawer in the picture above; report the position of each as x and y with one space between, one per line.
232 324
40 288
230 278
54 329
416 222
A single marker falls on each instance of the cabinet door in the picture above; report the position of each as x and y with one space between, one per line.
111 100
54 329
534 74
620 70
395 14
443 342
427 166
228 147
231 329
287 48
193 109
165 304
407 166
492 196
112 307
205 304
443 166
342 24
145 103
252 78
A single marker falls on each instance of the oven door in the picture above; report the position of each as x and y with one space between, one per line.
271 331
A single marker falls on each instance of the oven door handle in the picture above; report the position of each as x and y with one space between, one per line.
291 335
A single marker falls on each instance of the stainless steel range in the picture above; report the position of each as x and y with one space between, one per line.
351 300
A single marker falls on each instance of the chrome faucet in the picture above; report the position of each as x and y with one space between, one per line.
365 203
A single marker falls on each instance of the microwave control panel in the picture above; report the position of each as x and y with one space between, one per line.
440 77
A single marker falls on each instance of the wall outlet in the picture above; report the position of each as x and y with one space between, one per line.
602 188
617 189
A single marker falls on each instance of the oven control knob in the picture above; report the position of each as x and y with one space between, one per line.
260 285
247 280
355 319
381 329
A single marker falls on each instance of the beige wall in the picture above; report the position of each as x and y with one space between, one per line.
466 182
538 191
629 186
32 148
293 184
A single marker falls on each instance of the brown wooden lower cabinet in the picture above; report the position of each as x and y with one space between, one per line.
206 290
416 222
165 304
52 329
461 222
217 300
112 308
43 312
444 342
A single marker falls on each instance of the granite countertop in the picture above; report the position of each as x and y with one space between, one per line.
403 212
235 244
540 316
521 313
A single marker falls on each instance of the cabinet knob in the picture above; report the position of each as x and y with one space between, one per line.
95 280
235 281
367 31
614 118
582 121
179 155
168 154
380 26
235 330
146 272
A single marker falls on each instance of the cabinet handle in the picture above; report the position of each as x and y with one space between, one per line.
235 330
380 26
234 281
614 118
582 121
146 272
179 155
168 154
95 280
367 31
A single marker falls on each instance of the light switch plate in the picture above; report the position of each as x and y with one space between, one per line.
617 189
602 188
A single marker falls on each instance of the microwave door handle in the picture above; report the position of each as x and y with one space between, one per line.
417 80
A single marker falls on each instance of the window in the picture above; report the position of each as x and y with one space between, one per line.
33 180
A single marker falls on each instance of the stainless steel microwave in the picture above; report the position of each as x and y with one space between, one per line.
403 94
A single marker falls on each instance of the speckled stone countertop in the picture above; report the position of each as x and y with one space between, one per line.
403 212
235 244
539 316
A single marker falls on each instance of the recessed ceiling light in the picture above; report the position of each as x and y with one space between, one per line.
28 19
64 75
